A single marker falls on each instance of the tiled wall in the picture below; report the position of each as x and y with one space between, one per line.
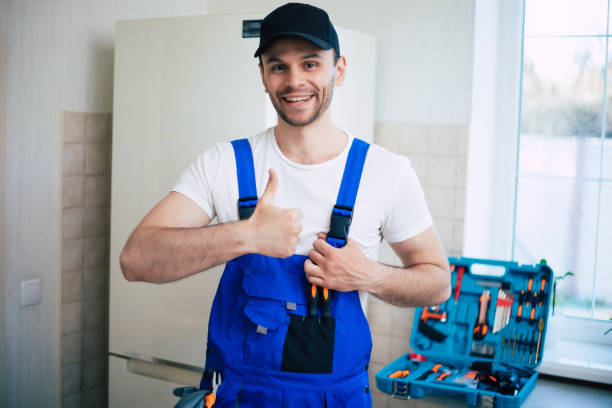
438 154
85 204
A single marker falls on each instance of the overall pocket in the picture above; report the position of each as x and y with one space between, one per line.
266 334
309 346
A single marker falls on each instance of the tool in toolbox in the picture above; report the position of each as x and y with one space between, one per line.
481 327
429 330
460 271
490 336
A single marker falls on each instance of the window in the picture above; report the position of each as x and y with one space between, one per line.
539 168
563 201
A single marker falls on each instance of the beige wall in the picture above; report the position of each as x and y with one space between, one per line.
61 58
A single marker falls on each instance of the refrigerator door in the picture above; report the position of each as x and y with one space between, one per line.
181 85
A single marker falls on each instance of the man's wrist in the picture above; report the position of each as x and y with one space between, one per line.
375 273
246 233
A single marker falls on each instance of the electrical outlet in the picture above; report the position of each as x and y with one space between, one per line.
30 292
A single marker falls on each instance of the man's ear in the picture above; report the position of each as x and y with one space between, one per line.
261 72
340 70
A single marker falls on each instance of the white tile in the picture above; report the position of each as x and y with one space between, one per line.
440 202
73 191
74 160
72 223
98 128
442 139
94 373
72 347
398 346
414 138
458 236
381 349
445 231
71 318
401 321
379 318
71 287
463 132
73 127
72 255
460 197
460 172
387 135
71 379
441 171
419 164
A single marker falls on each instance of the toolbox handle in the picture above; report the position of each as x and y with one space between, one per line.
485 267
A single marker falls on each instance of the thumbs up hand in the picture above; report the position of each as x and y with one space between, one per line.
276 230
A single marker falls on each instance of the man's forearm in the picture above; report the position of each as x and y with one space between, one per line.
157 254
419 285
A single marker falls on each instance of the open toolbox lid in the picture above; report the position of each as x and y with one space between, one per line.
511 330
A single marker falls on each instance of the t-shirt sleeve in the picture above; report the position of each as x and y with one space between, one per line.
408 214
197 181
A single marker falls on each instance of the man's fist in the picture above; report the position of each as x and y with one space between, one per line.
276 230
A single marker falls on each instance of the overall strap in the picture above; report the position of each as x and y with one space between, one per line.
245 170
342 214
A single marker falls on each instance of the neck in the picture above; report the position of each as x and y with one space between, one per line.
314 143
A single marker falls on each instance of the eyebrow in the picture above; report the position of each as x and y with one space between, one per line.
309 56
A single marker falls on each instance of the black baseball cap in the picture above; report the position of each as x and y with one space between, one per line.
301 20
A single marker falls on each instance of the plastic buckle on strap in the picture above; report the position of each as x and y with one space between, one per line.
339 226
246 206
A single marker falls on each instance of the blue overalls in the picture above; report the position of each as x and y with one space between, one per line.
266 335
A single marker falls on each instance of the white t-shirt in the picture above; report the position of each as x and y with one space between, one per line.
390 202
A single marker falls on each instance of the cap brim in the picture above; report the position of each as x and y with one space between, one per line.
315 40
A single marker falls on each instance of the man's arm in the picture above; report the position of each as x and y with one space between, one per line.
424 279
174 239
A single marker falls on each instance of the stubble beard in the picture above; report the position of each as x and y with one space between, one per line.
327 98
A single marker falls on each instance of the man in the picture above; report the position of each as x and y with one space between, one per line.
286 326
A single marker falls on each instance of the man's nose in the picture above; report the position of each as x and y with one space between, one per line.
295 78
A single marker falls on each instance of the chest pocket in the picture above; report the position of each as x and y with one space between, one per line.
280 279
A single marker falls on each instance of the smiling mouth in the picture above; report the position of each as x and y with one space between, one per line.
296 100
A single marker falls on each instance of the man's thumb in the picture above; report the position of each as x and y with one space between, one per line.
270 191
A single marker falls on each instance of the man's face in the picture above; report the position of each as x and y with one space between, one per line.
300 79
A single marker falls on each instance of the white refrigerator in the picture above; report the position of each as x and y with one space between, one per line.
181 85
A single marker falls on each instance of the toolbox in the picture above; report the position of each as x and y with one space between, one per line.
484 343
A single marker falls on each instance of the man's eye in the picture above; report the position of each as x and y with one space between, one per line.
311 65
278 68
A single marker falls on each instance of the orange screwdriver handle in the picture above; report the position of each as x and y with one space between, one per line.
312 300
325 297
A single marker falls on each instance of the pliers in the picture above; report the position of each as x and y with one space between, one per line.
211 397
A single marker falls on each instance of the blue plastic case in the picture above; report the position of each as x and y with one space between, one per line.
488 361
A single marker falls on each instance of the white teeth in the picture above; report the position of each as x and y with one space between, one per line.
297 98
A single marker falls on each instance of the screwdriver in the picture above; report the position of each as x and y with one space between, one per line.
540 328
542 294
519 312
312 300
325 299
460 271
